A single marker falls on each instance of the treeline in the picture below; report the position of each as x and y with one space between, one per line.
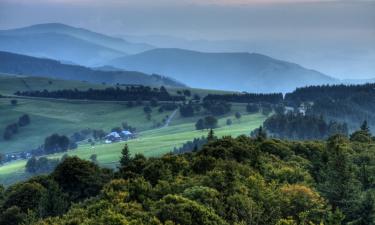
335 92
296 126
13 128
191 146
130 93
246 98
227 181
345 103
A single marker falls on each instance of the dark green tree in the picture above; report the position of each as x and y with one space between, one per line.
366 211
12 216
199 125
211 135
340 186
210 122
125 156
26 196
79 178
238 115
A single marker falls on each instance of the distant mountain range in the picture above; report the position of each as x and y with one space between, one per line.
236 71
228 71
66 43
16 64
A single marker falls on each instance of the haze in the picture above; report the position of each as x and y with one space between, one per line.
334 37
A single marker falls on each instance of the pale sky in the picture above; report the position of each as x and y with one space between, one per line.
335 37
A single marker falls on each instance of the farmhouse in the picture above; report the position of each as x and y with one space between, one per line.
119 136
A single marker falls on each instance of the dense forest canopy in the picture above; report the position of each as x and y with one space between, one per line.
345 103
297 126
273 98
226 181
335 92
130 93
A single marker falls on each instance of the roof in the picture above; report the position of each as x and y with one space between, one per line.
126 132
113 134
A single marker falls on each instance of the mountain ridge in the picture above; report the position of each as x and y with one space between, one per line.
48 38
18 64
240 71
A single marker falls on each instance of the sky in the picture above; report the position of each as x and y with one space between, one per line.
336 37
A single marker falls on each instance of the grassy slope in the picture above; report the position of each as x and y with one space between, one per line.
67 117
64 116
150 143
10 84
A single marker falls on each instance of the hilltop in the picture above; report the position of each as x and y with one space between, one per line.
226 71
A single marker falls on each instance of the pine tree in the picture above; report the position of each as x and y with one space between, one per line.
211 135
261 134
366 211
340 186
365 127
125 156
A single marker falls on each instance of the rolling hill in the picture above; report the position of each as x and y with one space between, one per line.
227 71
66 43
30 66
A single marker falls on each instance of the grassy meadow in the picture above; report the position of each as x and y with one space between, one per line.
62 116
151 143
9 84
66 117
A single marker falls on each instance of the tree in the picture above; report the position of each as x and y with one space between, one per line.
154 102
185 211
259 134
340 186
26 196
125 156
363 134
147 109
94 158
24 120
187 110
79 178
2 158
54 202
210 122
98 134
252 108
41 165
211 135
12 216
187 92
365 127
199 125
13 102
366 211
31 165
56 143
238 115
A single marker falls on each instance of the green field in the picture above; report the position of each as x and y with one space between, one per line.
150 143
67 117
60 116
10 84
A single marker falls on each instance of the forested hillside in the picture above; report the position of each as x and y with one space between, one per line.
238 71
351 104
30 66
228 181
66 43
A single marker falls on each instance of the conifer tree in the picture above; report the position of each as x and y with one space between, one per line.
125 156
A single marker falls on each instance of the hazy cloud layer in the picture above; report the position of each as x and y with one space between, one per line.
336 37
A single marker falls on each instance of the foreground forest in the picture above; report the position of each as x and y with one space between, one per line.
243 180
